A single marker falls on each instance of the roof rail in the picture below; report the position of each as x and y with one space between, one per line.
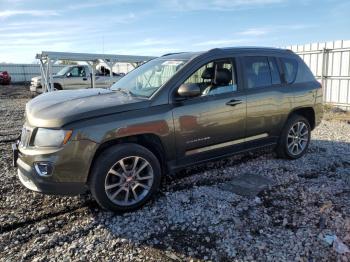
173 53
247 48
214 49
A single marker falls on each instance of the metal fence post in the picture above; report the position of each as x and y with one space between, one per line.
24 74
324 72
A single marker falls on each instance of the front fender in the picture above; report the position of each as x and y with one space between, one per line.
157 121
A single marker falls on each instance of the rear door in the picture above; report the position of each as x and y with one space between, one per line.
268 99
105 81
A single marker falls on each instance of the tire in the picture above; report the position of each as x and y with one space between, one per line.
294 144
110 185
57 87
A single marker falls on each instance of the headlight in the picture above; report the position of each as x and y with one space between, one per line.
51 137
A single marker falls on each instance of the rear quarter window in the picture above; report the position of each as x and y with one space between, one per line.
304 73
290 67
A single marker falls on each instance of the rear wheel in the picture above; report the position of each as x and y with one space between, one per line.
295 138
125 177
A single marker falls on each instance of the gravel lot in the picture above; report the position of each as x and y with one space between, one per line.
302 215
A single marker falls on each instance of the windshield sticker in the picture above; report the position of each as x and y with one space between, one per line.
173 63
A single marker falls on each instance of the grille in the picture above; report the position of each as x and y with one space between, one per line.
25 136
35 82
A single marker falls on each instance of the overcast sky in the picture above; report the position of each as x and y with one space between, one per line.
155 27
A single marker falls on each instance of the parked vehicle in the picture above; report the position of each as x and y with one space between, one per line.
5 78
174 111
76 77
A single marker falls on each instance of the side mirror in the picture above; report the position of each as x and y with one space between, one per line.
189 90
69 74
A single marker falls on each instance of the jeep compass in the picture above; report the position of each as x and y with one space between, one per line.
174 111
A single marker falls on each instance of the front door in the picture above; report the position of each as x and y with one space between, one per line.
76 78
213 122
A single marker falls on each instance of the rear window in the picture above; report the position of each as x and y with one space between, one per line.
290 67
258 71
275 73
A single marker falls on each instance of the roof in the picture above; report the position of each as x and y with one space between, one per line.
182 56
190 55
251 48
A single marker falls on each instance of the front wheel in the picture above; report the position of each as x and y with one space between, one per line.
295 138
125 177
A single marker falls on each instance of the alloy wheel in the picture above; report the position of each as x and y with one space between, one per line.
298 138
129 181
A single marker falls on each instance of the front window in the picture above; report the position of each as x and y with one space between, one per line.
149 77
77 72
63 71
215 78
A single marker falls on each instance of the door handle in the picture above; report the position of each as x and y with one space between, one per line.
84 78
234 102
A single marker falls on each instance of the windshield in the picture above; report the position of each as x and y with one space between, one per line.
63 71
149 77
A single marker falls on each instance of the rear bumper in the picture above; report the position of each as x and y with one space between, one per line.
318 114
32 181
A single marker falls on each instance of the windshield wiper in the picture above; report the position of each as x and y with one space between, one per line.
129 93
125 91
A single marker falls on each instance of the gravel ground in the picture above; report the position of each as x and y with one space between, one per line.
303 215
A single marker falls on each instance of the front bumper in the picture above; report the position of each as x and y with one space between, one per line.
70 168
35 88
32 181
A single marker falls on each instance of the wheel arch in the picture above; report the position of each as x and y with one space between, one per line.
57 86
150 141
307 112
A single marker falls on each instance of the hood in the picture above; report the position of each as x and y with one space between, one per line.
56 109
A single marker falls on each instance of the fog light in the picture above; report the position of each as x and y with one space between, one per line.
43 168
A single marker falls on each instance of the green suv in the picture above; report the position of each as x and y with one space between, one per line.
171 112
